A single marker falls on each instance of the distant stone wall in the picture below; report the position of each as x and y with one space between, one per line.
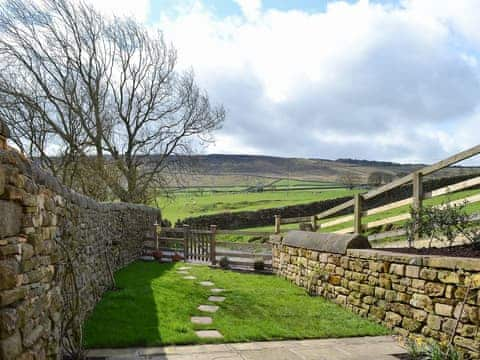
46 230
265 217
409 294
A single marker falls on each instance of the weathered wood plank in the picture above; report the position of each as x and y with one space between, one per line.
335 209
338 221
453 188
451 160
390 220
386 234
387 207
246 255
295 220
348 230
244 232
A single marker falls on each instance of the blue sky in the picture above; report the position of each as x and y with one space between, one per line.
224 8
385 80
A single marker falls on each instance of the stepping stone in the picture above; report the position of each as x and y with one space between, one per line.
209 334
182 272
201 320
217 291
183 268
190 277
216 298
206 283
208 308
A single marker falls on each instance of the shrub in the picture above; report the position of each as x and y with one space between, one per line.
259 265
177 257
157 254
444 223
432 350
224 262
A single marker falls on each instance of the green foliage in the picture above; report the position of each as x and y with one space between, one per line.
259 265
418 349
224 262
444 222
153 306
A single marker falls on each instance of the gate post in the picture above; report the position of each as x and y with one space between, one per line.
213 244
357 217
277 224
186 229
417 197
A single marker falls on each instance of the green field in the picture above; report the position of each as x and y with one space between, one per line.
153 306
189 202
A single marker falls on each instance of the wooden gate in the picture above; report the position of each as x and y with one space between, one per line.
199 244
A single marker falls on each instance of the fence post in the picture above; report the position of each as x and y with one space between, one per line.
186 229
213 244
313 221
417 196
357 216
158 231
277 224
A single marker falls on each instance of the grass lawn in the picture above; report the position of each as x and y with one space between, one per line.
153 307
188 204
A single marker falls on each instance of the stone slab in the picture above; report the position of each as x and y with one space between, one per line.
208 308
190 277
325 242
206 283
361 348
209 334
182 272
216 298
201 320
183 268
217 290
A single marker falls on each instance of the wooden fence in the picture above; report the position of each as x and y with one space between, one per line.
357 216
201 245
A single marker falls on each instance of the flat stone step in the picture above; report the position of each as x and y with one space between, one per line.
206 283
201 320
182 272
183 268
217 290
216 298
209 334
208 308
189 277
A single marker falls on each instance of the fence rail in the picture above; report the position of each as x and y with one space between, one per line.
358 214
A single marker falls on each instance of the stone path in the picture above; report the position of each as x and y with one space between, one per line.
360 348
204 320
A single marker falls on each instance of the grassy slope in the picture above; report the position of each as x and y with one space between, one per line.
195 204
154 305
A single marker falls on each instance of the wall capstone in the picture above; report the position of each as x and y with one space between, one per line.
333 243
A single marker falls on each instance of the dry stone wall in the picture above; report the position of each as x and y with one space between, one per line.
56 252
409 294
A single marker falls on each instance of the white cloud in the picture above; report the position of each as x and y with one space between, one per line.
360 80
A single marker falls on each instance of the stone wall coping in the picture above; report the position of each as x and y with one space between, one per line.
434 261
325 242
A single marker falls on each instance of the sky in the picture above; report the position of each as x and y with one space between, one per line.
379 80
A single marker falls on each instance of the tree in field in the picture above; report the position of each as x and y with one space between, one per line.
90 96
378 178
349 180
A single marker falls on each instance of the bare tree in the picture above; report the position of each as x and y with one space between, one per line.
93 95
349 179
